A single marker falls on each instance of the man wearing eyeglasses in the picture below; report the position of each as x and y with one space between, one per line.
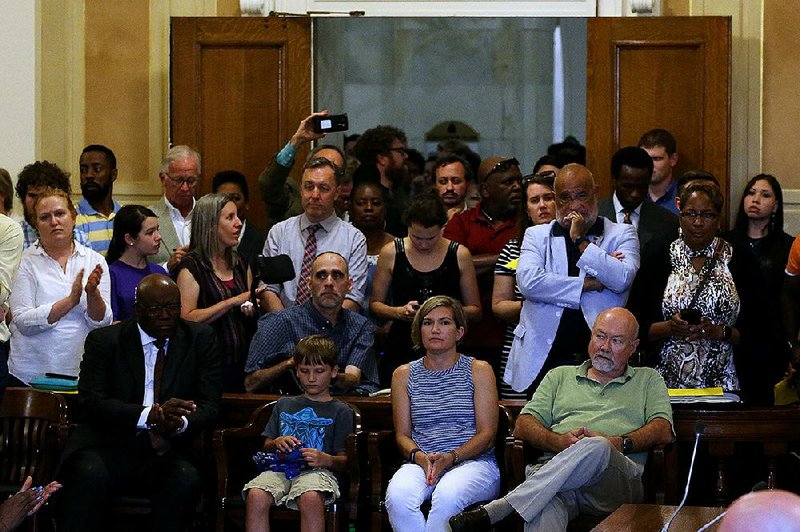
569 271
147 387
381 152
180 172
485 230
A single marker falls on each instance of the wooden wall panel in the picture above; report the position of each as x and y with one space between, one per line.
672 73
240 86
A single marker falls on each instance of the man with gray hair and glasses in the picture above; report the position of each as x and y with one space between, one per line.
179 174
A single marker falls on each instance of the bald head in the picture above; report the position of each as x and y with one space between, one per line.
623 317
764 511
576 192
486 166
158 305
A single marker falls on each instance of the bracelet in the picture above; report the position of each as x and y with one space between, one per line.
456 458
727 332
413 454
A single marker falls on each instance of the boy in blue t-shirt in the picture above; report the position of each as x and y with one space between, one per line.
316 422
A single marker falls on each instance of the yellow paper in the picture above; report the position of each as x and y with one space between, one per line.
694 392
513 264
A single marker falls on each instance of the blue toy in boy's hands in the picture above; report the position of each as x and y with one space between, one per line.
290 464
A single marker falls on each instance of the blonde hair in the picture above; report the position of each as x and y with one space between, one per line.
436 301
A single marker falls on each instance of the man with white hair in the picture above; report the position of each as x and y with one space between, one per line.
179 174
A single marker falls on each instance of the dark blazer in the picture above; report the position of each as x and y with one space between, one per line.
111 385
252 243
658 227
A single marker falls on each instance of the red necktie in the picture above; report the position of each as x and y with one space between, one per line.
160 343
304 282
626 217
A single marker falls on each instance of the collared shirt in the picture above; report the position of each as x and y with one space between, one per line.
38 347
636 214
279 332
183 226
96 225
10 255
668 199
30 236
289 237
150 354
567 399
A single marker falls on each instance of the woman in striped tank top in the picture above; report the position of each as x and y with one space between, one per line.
444 407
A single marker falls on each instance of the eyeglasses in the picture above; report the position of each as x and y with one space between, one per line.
544 178
157 310
179 181
704 216
502 166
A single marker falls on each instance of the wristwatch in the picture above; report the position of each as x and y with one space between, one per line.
581 240
627 445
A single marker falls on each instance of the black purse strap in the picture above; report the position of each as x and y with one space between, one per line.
705 273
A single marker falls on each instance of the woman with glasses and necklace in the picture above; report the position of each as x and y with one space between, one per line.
708 301
538 207
214 283
60 293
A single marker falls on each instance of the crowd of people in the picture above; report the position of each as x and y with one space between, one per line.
412 288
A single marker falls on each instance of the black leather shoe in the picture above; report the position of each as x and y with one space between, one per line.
476 520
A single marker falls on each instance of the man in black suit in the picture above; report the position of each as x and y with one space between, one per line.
631 169
146 386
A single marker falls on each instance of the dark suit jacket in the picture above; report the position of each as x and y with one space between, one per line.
111 385
280 193
658 228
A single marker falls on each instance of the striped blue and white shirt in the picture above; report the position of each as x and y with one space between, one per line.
97 227
443 406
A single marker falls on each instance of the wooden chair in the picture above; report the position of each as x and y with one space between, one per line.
233 451
384 460
33 431
520 454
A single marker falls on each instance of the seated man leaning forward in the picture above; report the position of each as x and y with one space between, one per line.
147 386
595 423
269 363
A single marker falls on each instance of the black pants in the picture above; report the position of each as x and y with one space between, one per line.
93 475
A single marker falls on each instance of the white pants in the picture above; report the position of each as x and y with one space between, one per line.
467 483
590 476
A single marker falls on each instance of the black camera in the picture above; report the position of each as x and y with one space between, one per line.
330 123
691 316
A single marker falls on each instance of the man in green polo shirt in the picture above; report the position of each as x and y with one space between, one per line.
595 423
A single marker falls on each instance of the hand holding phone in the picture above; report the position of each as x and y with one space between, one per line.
330 123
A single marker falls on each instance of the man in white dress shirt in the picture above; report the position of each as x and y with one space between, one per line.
180 172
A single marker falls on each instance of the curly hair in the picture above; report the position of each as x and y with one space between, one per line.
376 141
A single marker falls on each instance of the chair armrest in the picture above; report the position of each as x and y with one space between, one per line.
379 450
355 443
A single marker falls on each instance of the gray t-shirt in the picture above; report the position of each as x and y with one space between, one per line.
321 425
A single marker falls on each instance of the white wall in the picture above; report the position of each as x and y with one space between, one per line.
18 102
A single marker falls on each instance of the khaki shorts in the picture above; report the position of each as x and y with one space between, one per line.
286 491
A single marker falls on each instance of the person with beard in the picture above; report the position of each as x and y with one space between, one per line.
595 422
569 271
484 230
96 210
381 152
452 176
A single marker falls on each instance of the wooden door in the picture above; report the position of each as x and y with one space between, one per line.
671 73
239 86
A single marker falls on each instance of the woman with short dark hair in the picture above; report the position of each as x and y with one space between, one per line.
412 269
